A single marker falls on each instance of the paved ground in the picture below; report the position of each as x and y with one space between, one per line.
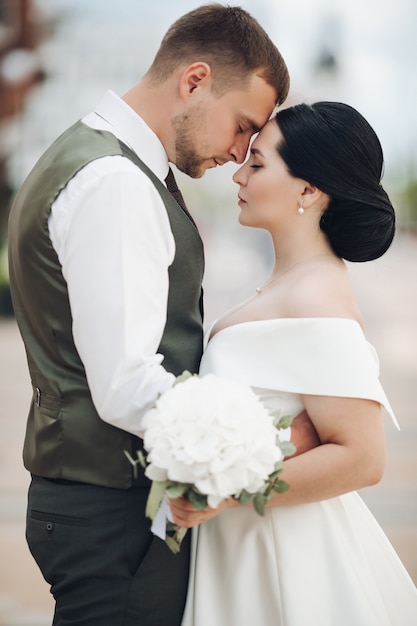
387 291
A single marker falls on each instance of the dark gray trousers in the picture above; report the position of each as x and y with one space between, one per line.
94 547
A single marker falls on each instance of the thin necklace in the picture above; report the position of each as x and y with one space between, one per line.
259 290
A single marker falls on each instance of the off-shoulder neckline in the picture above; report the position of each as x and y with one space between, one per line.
210 337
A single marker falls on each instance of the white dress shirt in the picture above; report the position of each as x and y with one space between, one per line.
112 235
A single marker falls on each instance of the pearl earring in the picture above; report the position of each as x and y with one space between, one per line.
300 208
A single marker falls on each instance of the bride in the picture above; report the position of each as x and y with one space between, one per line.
317 556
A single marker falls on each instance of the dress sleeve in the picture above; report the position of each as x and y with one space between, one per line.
317 356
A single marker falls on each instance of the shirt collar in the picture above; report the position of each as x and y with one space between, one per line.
113 114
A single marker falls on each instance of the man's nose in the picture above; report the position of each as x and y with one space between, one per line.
239 150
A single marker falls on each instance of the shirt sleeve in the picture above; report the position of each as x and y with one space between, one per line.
112 235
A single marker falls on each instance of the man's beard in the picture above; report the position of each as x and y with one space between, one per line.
187 128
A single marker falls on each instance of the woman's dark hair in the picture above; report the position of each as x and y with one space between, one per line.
332 146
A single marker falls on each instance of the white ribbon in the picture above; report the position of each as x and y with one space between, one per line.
160 522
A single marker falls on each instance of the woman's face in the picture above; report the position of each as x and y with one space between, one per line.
268 196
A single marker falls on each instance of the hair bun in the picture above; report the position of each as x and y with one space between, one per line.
357 231
332 146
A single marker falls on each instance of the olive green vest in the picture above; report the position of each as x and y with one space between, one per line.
65 437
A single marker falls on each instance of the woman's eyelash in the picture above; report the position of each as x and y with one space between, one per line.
255 167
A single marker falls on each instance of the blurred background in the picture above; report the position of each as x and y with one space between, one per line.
57 57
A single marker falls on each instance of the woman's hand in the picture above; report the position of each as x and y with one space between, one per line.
186 515
303 434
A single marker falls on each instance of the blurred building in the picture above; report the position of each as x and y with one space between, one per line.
20 33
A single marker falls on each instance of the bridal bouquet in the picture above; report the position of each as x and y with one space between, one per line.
207 439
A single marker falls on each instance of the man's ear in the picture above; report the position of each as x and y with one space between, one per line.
194 77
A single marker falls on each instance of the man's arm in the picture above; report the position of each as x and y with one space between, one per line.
115 260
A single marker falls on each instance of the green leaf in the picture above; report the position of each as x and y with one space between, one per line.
275 474
197 499
130 458
259 503
176 490
171 528
285 421
281 486
275 416
245 497
155 497
287 448
140 460
172 544
183 377
174 536
180 534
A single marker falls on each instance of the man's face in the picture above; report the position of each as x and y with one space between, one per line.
215 130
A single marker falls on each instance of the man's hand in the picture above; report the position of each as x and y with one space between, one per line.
303 434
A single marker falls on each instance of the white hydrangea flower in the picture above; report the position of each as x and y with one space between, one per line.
214 434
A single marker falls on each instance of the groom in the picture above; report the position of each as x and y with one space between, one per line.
106 268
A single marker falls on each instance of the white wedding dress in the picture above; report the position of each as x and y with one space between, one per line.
322 564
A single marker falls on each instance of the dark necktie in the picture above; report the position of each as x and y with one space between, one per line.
172 187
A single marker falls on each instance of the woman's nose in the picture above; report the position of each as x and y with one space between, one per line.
238 176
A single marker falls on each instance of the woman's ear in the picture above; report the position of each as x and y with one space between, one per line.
194 77
312 195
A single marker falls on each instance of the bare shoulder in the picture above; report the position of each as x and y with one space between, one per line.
323 289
